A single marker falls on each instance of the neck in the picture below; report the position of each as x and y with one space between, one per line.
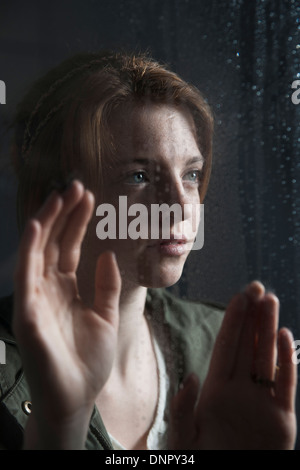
133 327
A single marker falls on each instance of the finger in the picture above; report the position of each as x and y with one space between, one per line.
255 290
26 278
286 381
226 346
70 245
47 216
266 347
27 270
183 430
107 287
30 260
246 349
71 198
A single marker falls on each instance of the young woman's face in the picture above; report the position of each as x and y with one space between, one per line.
157 161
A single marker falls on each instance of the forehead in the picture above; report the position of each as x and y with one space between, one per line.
154 129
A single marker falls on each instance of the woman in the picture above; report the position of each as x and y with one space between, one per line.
117 362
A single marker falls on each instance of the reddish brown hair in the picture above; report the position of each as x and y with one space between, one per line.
62 125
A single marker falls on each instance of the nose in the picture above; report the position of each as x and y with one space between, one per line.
176 204
171 191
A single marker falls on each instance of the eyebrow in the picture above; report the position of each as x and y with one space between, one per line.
148 161
198 159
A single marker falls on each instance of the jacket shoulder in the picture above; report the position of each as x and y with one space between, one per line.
187 314
191 326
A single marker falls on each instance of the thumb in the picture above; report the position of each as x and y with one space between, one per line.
107 287
183 430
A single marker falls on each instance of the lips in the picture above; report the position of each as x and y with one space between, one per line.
172 242
171 247
174 239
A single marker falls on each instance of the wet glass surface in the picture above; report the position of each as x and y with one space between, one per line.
244 57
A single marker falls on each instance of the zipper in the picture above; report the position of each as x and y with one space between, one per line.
101 438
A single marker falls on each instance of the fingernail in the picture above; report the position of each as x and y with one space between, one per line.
288 338
255 289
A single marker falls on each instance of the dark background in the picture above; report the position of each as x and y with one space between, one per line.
243 55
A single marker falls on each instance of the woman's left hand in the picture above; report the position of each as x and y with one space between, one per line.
246 401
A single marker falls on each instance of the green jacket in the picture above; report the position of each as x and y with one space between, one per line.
189 327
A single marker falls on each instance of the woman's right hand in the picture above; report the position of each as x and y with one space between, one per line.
246 401
67 349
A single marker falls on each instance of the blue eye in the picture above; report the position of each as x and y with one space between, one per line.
137 177
194 176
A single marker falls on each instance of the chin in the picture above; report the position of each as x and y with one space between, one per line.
159 284
152 271
160 276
